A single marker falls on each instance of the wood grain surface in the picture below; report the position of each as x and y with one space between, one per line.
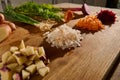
91 61
116 72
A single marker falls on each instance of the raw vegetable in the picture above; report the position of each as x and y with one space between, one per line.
5 31
45 11
25 75
12 25
90 22
6 27
64 37
28 61
1 18
107 17
85 9
3 21
6 74
68 16
16 76
11 14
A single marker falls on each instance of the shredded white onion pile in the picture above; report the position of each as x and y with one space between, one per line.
64 37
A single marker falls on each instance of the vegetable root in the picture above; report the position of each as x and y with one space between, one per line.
12 25
6 28
5 31
1 18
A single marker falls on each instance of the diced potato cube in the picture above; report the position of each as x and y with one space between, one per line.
13 49
39 64
16 52
21 59
37 56
41 51
5 74
22 45
17 64
19 68
12 66
31 68
1 65
29 62
16 76
25 75
5 56
43 71
11 59
29 51
31 57
36 53
23 51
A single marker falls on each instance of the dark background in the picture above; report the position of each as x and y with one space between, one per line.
112 3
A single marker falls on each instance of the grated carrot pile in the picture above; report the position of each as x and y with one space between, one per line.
90 22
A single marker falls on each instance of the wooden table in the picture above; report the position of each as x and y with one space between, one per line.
93 61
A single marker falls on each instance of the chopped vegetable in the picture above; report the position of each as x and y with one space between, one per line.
16 76
46 25
64 37
25 75
90 23
45 11
107 17
6 74
11 14
68 16
24 61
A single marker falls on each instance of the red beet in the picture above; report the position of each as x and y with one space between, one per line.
107 17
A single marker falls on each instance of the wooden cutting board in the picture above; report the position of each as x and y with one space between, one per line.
91 61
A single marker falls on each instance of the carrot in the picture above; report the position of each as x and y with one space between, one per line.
68 15
12 25
90 22
2 18
5 31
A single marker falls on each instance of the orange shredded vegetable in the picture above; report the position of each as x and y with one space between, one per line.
69 15
90 22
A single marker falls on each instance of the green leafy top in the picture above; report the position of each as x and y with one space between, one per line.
12 15
45 11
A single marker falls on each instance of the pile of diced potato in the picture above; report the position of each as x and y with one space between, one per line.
19 63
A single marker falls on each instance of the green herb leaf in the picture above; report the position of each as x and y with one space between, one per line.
45 11
11 14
